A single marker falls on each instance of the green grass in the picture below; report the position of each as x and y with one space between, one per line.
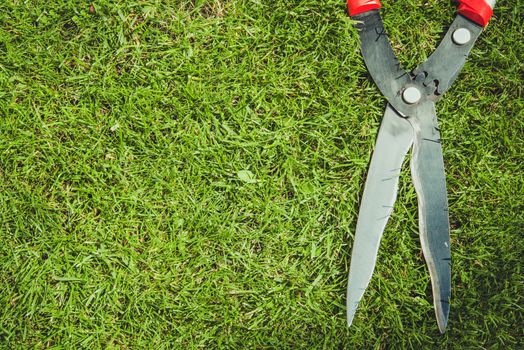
187 175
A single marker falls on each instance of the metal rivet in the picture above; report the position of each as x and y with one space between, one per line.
461 36
411 95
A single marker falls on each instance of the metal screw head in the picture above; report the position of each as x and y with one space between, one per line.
461 36
411 95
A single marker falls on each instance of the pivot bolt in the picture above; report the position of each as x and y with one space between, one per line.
461 36
411 95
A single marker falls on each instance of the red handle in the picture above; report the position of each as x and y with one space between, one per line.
360 6
479 11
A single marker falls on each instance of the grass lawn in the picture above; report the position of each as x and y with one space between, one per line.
187 174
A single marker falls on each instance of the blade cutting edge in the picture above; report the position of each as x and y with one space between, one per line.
427 169
394 140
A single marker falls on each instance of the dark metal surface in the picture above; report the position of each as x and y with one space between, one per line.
442 68
381 61
432 78
427 170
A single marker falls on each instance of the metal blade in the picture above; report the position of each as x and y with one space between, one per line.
381 61
427 169
380 192
441 69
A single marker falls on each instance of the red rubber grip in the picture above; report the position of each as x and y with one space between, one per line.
360 6
478 11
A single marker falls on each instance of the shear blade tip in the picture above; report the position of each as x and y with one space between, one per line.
442 328
349 316
442 324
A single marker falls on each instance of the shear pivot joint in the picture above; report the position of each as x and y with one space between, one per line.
411 95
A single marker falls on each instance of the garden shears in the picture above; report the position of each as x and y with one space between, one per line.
410 121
